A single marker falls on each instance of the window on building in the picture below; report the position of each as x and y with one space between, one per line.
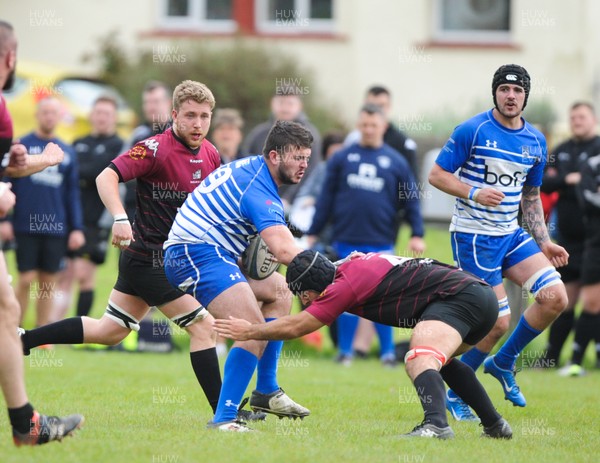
295 16
201 15
485 21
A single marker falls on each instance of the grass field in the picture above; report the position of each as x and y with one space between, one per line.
148 408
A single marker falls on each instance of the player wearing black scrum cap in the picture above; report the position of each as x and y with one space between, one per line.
449 311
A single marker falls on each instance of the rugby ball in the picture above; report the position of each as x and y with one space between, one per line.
257 261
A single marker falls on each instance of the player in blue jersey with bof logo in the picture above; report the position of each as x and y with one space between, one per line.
211 230
500 160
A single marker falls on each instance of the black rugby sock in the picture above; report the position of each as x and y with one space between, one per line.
432 394
206 367
559 332
462 380
67 331
84 303
586 328
20 418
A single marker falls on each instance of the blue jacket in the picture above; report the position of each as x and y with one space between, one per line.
48 202
366 194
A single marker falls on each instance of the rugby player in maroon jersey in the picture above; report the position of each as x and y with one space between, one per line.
448 310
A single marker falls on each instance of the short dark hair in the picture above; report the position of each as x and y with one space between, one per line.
286 134
377 90
371 108
152 85
331 138
587 104
107 99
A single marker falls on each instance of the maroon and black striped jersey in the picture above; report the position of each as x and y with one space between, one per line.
388 289
6 129
166 171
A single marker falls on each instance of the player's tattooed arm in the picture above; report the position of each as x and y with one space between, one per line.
533 214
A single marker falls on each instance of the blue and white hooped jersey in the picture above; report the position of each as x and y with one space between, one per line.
235 202
487 154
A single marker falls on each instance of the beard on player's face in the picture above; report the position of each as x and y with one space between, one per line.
10 80
284 177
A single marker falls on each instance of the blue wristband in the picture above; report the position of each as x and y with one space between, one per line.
472 193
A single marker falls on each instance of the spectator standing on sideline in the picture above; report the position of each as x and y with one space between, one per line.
286 105
406 146
47 219
500 158
588 324
563 176
94 152
226 134
29 427
369 188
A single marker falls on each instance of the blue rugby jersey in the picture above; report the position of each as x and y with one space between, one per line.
487 154
235 202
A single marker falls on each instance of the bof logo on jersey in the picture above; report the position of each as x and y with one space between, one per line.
526 152
197 175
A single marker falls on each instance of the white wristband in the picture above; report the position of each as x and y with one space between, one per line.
121 218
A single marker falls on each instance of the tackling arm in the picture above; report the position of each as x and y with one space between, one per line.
287 327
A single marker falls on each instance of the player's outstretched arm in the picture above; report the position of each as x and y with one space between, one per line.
288 327
22 164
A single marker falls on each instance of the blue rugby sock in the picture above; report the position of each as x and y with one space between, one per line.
520 337
386 338
266 380
239 368
347 324
474 358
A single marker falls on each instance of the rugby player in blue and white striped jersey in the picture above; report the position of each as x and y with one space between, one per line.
500 160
